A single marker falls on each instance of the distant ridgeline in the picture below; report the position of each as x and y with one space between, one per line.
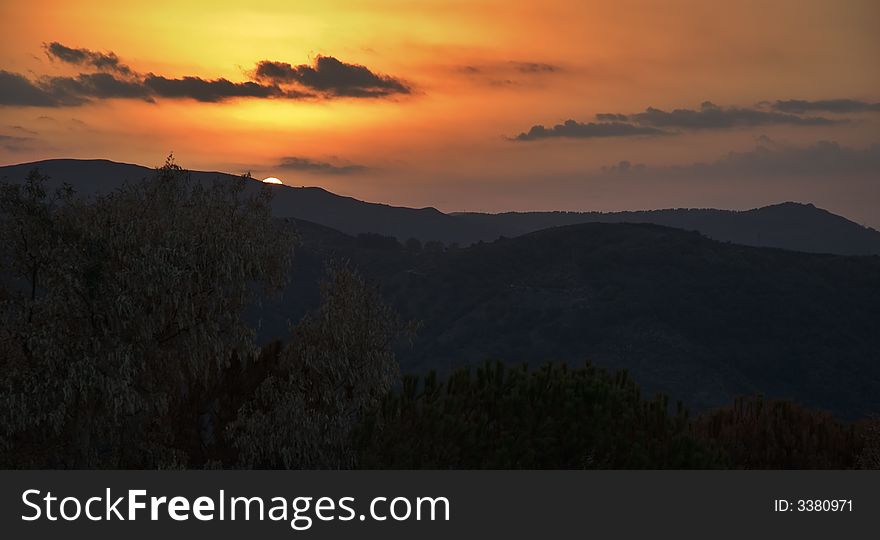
794 226
800 227
697 319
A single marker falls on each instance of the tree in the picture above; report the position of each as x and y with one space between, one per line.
115 309
759 433
414 245
869 457
555 417
337 367
434 246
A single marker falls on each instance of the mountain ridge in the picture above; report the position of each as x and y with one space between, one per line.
788 225
692 317
346 214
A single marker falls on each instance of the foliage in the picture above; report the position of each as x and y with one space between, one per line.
513 418
869 457
338 365
414 245
378 241
118 307
775 434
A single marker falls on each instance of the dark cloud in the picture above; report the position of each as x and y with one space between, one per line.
509 67
328 78
16 90
572 129
85 57
824 158
711 116
800 106
511 73
87 86
535 67
659 122
319 167
612 117
502 82
23 130
331 77
210 91
624 166
14 143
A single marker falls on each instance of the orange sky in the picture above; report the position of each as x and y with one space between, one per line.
478 73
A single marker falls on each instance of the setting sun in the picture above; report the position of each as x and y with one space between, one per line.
272 180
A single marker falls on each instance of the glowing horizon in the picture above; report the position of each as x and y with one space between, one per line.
460 105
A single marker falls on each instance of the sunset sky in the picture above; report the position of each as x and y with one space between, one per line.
464 105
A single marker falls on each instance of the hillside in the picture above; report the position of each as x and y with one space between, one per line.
310 203
697 319
794 226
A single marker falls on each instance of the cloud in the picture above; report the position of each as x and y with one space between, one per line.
24 130
308 165
85 57
624 166
328 78
13 143
16 90
711 116
824 158
659 122
572 129
511 73
612 117
534 67
86 86
331 77
210 91
800 106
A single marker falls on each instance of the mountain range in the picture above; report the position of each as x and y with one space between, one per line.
695 318
700 319
794 226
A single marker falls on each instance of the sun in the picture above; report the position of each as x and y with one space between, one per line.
272 180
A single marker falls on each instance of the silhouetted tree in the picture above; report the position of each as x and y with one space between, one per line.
338 365
760 433
434 246
414 244
869 457
378 241
118 307
514 418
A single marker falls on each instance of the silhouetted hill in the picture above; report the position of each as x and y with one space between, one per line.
795 226
800 227
345 214
695 318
